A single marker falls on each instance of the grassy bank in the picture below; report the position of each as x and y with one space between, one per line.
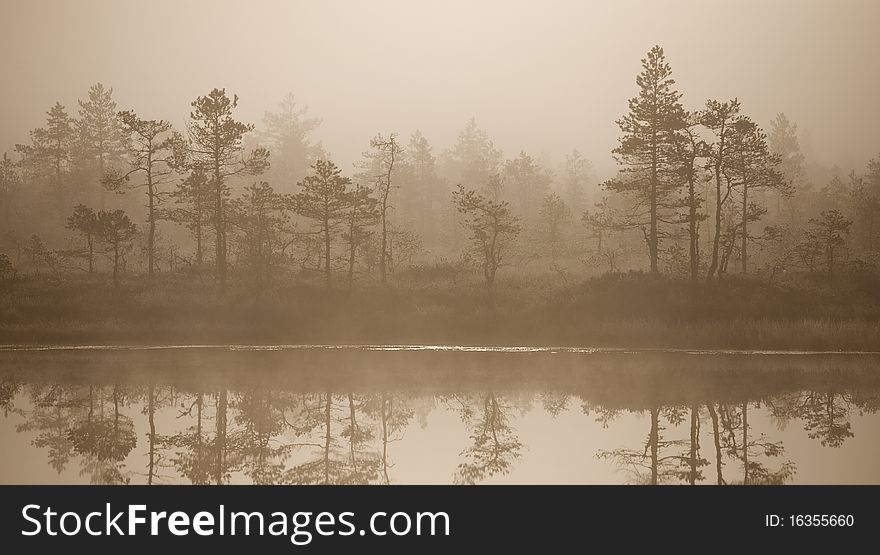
612 311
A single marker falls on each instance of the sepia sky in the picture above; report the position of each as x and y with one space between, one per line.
543 76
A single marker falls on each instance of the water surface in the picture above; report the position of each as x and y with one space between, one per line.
426 414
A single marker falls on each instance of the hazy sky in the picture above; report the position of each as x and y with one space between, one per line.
544 76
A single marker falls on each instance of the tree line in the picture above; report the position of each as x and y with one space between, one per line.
713 172
699 192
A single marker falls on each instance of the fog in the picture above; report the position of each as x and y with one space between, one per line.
507 242
541 76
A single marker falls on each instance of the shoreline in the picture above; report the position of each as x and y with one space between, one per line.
628 312
509 349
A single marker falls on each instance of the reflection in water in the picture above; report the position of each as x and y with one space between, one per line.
465 418
494 443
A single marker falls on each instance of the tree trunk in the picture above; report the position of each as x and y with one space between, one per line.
151 216
327 438
491 264
695 445
101 191
652 239
352 422
219 216
220 248
745 228
716 241
692 230
352 249
717 436
116 264
830 266
385 416
199 448
151 412
91 242
654 441
327 271
383 255
745 445
200 257
221 436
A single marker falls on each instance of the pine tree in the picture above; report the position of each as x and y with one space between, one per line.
690 149
99 131
193 208
526 183
286 134
576 174
828 233
117 232
149 152
48 156
260 214
324 199
647 147
215 146
719 118
493 229
363 212
753 168
84 221
555 214
9 182
473 157
386 153
783 142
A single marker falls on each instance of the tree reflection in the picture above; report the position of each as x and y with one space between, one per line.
9 388
825 414
261 413
738 442
325 466
495 444
393 414
650 464
54 407
277 434
191 458
154 401
104 440
692 464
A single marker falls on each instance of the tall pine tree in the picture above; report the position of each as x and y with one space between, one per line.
99 133
647 148
215 147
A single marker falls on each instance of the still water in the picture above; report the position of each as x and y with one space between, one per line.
221 415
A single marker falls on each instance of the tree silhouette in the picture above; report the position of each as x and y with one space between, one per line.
149 151
214 147
495 444
324 198
106 440
85 222
492 226
99 132
117 232
647 147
